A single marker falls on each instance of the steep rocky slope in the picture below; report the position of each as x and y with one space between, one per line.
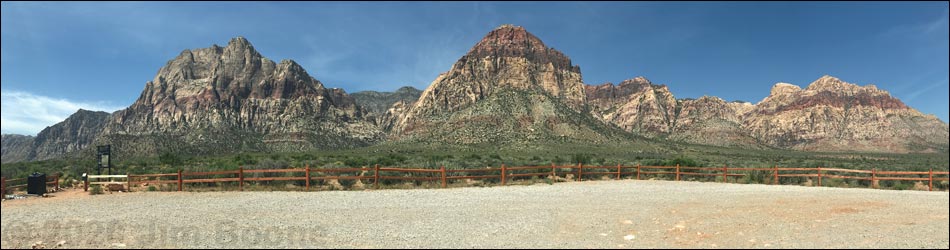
16 147
509 87
231 99
833 115
829 115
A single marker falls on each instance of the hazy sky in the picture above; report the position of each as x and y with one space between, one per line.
58 57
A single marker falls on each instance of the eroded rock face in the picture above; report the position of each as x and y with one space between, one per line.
635 105
832 115
385 108
379 102
829 115
228 99
712 121
72 135
76 133
16 147
508 57
508 87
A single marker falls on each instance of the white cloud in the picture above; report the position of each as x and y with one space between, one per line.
28 114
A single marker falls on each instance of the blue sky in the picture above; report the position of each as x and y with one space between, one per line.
58 57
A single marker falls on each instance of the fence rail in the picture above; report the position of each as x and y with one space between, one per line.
19 183
503 174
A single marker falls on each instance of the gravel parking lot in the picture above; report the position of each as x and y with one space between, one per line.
596 214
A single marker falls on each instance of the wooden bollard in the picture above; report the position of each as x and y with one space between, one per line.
179 180
504 177
618 171
85 184
775 175
580 171
444 182
376 176
638 171
677 172
308 177
725 174
931 179
241 178
873 177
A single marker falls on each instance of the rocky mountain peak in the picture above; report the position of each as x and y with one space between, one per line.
516 41
637 81
508 57
239 42
827 82
784 88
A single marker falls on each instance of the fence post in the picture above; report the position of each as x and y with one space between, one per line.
873 177
580 171
3 186
931 179
553 171
819 176
725 173
85 184
444 182
504 178
638 171
618 171
128 178
308 177
179 180
775 175
677 172
376 176
241 178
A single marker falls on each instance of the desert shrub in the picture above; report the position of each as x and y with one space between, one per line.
169 158
581 158
347 183
557 160
95 190
152 189
356 162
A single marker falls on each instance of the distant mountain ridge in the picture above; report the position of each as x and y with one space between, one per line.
509 88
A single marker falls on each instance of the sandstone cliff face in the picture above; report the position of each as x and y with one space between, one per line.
507 58
384 108
635 105
379 102
829 115
16 148
712 121
508 87
228 99
832 115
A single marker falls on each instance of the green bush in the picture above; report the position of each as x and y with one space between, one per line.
347 183
581 158
152 188
169 158
95 190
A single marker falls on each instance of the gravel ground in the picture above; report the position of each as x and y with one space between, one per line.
599 214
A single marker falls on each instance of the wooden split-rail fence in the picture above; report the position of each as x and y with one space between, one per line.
505 173
21 183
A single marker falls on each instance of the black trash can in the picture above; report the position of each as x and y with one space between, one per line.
36 184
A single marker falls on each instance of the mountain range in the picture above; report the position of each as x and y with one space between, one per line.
509 88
